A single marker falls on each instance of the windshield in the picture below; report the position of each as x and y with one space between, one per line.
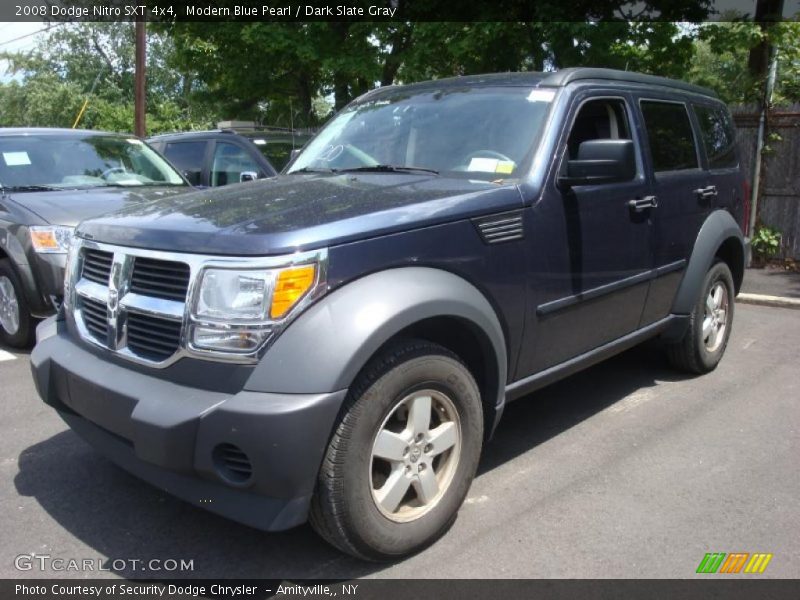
478 133
53 161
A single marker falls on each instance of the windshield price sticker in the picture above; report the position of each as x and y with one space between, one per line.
16 159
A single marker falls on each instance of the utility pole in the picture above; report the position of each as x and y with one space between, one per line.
139 127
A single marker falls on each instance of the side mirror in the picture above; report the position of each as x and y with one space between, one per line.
600 161
247 176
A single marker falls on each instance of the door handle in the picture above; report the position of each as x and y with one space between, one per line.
706 193
641 204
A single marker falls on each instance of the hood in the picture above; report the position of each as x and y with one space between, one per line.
291 213
70 207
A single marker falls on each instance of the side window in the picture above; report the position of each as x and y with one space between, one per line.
669 131
598 120
719 138
230 161
187 157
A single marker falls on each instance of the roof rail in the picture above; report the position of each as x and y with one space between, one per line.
564 76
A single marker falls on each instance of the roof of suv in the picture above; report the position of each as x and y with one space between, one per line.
188 134
247 133
56 131
559 78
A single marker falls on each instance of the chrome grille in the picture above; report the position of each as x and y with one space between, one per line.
130 303
160 278
94 317
133 302
97 266
153 338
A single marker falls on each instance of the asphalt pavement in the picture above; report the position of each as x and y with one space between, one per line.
626 470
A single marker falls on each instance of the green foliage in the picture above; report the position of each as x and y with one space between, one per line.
720 60
295 73
61 72
272 72
766 242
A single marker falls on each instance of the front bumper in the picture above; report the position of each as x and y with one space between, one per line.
175 436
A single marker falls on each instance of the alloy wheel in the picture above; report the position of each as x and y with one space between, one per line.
415 455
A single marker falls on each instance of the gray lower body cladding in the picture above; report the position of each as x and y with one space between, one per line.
251 457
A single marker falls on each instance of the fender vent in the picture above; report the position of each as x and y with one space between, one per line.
501 228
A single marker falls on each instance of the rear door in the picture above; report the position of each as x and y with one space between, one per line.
680 185
724 179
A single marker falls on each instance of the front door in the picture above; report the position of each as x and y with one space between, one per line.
592 256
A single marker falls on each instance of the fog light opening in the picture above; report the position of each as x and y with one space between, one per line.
232 464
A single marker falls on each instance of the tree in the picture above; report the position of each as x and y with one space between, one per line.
59 74
721 60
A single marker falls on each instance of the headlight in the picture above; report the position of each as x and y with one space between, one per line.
234 295
236 310
51 239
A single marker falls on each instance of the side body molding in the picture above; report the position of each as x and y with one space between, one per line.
327 346
718 228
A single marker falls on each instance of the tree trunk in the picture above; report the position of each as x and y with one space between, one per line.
768 12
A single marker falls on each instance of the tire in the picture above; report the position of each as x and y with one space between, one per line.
353 505
16 324
698 351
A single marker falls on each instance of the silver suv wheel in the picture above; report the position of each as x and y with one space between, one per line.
9 306
715 318
415 455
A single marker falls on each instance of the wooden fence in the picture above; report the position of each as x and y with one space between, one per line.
779 205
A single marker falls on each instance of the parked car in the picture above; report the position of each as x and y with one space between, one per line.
338 343
50 179
225 156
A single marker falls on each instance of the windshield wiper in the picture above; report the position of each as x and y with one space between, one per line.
314 170
30 188
390 169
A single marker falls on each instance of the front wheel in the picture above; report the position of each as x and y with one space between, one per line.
16 324
704 343
403 455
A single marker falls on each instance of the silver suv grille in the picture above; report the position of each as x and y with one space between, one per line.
133 302
129 303
153 338
160 278
97 266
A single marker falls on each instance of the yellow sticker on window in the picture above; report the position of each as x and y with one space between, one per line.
505 166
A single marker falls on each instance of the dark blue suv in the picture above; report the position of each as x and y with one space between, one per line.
337 343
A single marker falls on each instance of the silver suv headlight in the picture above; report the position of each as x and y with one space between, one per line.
236 310
51 239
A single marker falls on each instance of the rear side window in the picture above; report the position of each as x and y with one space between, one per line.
719 138
186 155
669 131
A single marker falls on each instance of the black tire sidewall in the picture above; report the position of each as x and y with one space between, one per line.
717 273
370 529
23 337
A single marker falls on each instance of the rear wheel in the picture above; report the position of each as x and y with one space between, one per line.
16 324
704 343
403 455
